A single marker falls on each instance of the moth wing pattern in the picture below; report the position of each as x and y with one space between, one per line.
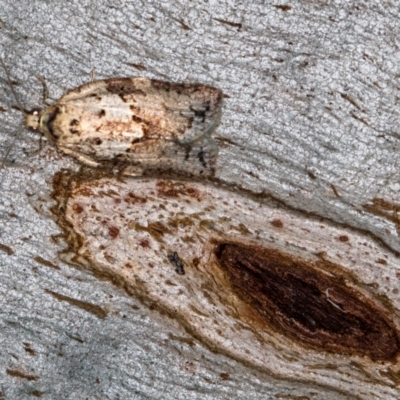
137 121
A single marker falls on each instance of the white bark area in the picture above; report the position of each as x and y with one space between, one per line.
310 119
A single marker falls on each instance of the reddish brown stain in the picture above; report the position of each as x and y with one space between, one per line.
343 238
176 189
307 305
277 223
196 261
381 261
92 308
145 243
85 191
230 23
131 198
283 7
45 262
77 208
113 231
335 191
224 376
29 350
18 373
6 249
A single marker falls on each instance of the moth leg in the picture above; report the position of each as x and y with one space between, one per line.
37 151
45 99
80 157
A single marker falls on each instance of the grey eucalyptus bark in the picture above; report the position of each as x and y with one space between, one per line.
309 118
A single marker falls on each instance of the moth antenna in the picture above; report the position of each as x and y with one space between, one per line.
22 127
12 88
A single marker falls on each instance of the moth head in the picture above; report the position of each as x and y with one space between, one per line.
43 121
32 119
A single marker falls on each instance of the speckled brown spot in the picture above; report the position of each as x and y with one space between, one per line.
77 208
145 243
277 223
343 238
224 376
29 350
113 231
137 119
176 189
131 198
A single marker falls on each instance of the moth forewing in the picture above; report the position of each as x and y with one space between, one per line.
136 121
135 124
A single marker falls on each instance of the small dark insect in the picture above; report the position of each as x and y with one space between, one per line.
174 259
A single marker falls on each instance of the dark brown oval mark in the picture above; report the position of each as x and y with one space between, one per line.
307 305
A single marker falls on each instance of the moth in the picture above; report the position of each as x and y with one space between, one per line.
135 125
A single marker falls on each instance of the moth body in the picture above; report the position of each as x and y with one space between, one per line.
135 124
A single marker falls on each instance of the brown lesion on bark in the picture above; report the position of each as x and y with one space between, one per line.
386 209
19 373
303 302
89 307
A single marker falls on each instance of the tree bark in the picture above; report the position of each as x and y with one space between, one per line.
309 133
